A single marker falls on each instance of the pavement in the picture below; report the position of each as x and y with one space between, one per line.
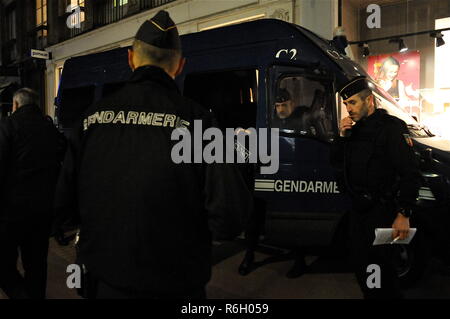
327 278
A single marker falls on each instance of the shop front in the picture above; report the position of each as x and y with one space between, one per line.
404 46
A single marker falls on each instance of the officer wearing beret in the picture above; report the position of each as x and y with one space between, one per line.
288 115
145 220
379 170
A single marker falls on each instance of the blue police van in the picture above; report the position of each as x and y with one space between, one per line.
236 71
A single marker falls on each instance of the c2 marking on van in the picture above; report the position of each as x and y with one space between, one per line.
287 51
296 186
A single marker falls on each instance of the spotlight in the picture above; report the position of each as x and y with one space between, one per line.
401 44
439 38
366 50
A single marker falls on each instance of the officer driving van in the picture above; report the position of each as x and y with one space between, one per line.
238 73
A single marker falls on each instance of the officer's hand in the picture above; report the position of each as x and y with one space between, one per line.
346 124
401 227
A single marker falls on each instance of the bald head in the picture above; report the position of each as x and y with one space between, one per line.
143 54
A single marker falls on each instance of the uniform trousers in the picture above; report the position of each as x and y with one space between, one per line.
31 239
364 218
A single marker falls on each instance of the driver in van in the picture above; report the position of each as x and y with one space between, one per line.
290 116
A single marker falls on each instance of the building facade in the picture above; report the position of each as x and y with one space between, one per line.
68 28
21 29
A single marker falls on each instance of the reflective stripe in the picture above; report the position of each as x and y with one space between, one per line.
426 194
264 185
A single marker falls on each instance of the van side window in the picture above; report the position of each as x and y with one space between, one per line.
302 106
74 102
230 95
109 88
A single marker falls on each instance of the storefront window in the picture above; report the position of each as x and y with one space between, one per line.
58 74
11 35
11 25
75 18
41 17
404 46
120 2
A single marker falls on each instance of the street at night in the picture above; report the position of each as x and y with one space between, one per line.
327 277
224 150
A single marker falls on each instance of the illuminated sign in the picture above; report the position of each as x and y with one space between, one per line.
38 54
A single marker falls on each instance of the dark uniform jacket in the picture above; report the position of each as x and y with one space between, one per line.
144 219
377 161
31 149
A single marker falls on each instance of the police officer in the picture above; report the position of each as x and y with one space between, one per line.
144 219
30 153
287 114
379 170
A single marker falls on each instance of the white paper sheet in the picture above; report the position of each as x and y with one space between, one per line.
383 236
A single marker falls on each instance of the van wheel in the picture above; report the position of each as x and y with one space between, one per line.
410 261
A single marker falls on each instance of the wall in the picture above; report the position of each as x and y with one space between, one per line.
350 21
320 16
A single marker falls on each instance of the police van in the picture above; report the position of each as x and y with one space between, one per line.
236 71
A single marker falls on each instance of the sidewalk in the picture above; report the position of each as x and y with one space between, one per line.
58 259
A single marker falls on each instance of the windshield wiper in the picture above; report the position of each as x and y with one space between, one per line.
420 127
415 127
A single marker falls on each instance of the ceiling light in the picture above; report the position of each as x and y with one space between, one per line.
439 38
401 44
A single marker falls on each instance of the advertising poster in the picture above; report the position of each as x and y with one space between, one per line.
399 75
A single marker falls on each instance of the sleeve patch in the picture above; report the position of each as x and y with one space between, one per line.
408 140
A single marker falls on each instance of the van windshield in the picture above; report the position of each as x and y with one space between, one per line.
385 101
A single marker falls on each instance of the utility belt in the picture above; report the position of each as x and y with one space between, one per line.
362 200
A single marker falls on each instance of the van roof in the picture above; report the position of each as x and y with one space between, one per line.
271 30
111 66
263 30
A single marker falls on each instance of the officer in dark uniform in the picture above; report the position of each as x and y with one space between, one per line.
287 114
379 170
31 150
144 218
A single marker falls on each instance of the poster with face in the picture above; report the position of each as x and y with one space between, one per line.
399 75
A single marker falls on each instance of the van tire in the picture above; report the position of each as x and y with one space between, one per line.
411 260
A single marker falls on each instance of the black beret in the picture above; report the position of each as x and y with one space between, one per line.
160 31
283 95
353 87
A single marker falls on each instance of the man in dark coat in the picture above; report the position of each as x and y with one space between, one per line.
144 218
30 154
379 170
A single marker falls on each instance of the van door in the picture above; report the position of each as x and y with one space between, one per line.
232 95
302 199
